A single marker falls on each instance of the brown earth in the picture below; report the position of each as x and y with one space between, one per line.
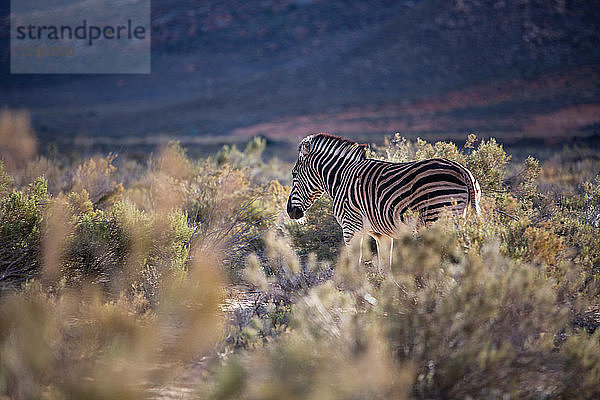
478 108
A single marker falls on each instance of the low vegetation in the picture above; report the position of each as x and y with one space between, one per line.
118 276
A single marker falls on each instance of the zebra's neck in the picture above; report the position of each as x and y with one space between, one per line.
335 157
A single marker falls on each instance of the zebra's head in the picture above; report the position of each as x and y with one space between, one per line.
306 186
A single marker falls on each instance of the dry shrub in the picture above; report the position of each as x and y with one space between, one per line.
543 245
56 176
225 207
459 322
170 173
281 258
76 342
188 316
331 353
591 198
73 347
17 139
300 368
254 273
475 328
97 177
134 288
58 227
152 204
76 345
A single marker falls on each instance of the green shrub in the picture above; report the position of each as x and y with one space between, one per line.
21 217
113 292
318 233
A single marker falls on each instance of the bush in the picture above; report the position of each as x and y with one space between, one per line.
318 233
21 216
114 283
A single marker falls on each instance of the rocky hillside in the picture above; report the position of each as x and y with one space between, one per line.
352 67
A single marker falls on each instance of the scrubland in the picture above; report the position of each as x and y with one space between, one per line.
173 277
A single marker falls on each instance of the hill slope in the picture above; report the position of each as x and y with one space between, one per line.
232 66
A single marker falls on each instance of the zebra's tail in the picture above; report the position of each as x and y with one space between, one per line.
474 191
472 186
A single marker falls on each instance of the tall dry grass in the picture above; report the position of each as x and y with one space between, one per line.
128 276
17 139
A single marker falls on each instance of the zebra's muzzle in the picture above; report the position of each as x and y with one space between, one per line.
293 211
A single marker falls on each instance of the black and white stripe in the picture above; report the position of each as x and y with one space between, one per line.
372 196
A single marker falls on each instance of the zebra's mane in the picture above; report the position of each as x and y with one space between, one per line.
345 147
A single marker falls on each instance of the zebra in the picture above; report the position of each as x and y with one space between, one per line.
372 196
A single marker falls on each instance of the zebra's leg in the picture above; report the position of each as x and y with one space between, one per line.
359 236
350 240
391 251
385 248
360 254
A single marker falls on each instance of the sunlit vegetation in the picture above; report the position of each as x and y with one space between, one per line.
117 276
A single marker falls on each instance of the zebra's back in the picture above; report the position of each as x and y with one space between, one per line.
385 191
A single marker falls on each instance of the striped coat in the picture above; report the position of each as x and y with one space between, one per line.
373 196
